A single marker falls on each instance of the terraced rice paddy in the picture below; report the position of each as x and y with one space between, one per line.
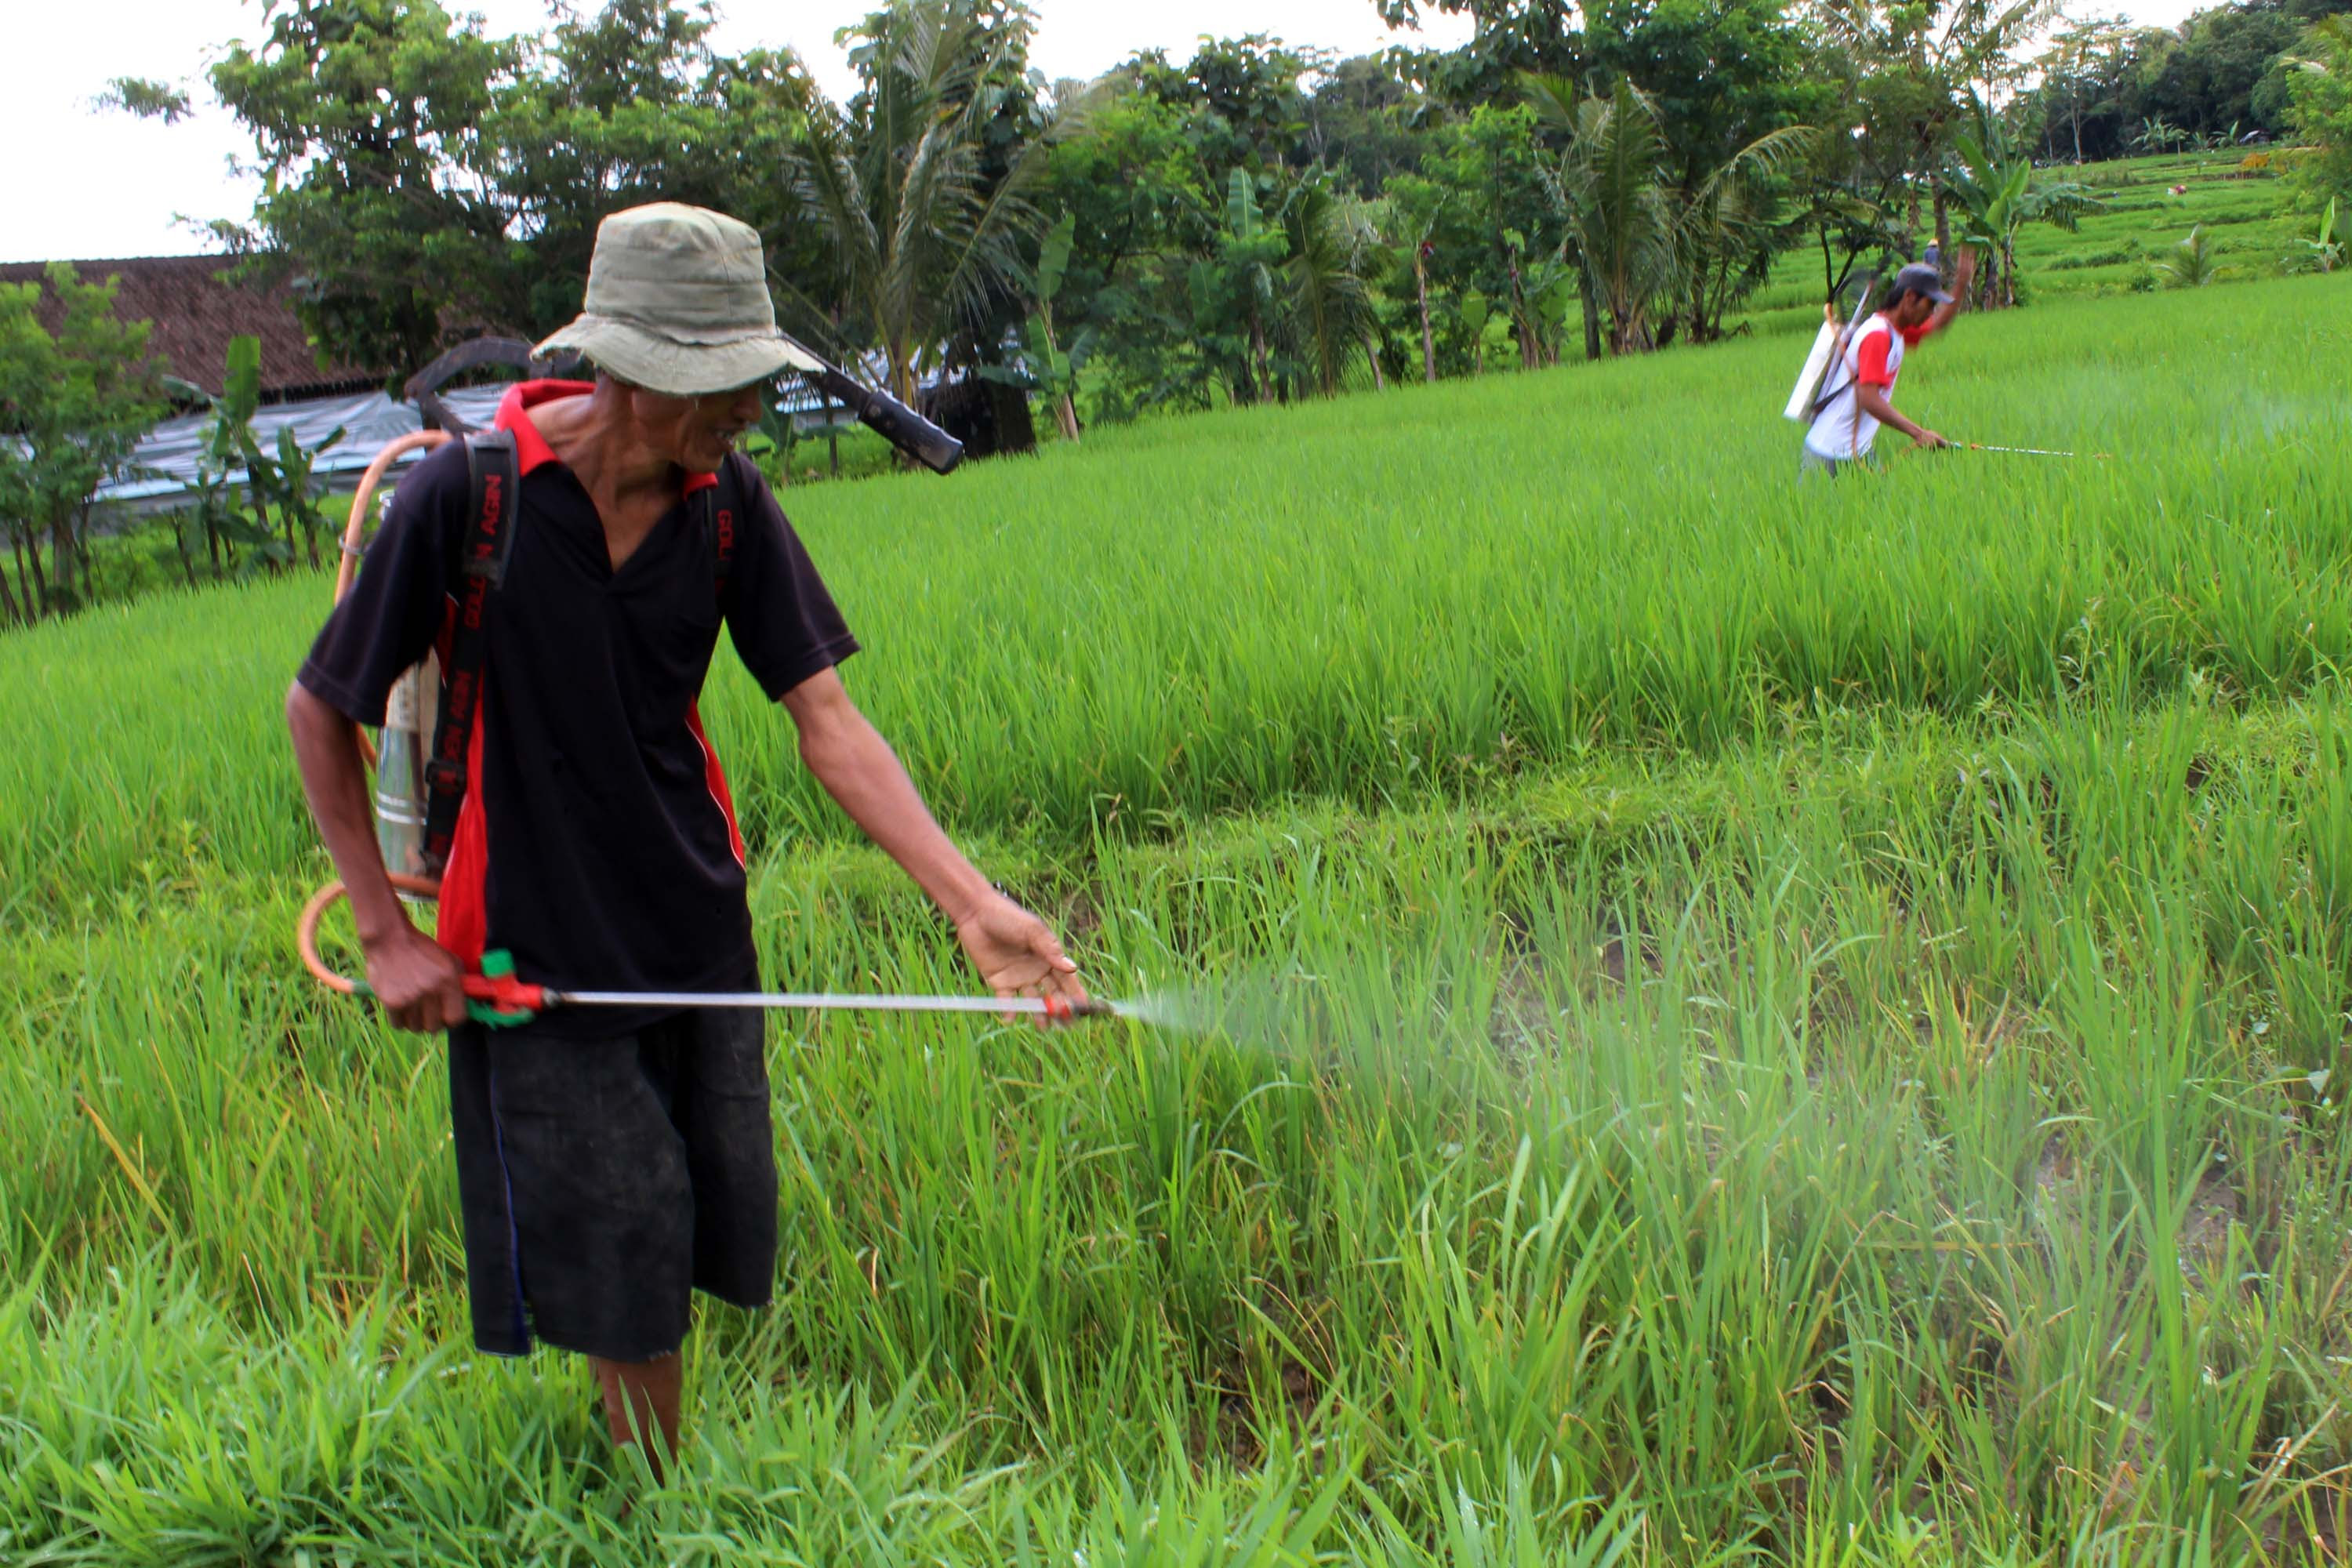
1741 1020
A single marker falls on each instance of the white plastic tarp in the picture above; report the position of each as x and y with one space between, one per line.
166 461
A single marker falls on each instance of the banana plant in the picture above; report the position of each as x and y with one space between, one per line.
283 479
2325 252
1997 194
1045 367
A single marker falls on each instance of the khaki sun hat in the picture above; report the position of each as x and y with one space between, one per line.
677 303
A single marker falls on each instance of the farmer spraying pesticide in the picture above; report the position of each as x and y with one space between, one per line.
572 570
1856 394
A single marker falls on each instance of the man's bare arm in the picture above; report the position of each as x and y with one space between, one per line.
1874 403
415 978
1013 949
1966 276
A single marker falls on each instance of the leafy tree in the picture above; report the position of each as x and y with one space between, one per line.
1496 212
368 118
1365 122
1134 187
1236 292
2320 84
2088 88
1509 38
1242 99
628 106
73 404
2220 71
1914 68
1048 368
1612 189
1416 207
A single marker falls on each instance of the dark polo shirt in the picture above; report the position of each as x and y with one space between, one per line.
598 841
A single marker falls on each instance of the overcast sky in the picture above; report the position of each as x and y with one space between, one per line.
79 182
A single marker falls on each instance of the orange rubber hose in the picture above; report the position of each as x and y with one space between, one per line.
355 527
305 929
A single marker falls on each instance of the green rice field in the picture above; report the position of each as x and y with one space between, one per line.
1734 1019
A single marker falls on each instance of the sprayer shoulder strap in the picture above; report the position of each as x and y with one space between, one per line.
1846 340
495 474
722 514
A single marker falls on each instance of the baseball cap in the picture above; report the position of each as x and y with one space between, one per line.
1921 278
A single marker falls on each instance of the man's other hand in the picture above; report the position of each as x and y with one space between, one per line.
1015 952
418 981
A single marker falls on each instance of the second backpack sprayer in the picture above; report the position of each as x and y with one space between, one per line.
428 719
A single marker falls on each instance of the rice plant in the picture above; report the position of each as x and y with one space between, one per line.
1730 1022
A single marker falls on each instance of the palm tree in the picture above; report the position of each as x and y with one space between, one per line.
2191 265
1727 231
1612 190
1638 243
1330 310
925 225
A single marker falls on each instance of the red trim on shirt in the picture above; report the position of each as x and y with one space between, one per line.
531 448
715 779
1870 361
462 923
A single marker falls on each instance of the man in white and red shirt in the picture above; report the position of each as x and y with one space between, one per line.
1858 393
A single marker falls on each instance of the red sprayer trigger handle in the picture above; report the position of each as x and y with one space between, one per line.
495 997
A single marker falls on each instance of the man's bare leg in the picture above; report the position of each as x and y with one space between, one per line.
643 1396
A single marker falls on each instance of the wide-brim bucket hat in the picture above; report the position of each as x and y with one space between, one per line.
677 303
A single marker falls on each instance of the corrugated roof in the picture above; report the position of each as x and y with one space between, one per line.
196 310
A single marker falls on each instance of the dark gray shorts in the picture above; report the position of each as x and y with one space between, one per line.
1810 462
603 1182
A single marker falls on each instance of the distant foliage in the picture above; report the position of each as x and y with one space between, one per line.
73 404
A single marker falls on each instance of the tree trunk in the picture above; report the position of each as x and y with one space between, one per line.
81 554
1263 378
1428 340
1065 415
1528 358
61 557
1943 233
180 547
40 584
1372 353
8 600
1592 322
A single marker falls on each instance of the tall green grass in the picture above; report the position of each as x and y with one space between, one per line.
1854 1079
1379 596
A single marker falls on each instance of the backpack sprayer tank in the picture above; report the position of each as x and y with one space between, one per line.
402 747
1804 401
404 743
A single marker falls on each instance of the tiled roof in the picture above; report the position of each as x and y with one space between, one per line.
196 310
